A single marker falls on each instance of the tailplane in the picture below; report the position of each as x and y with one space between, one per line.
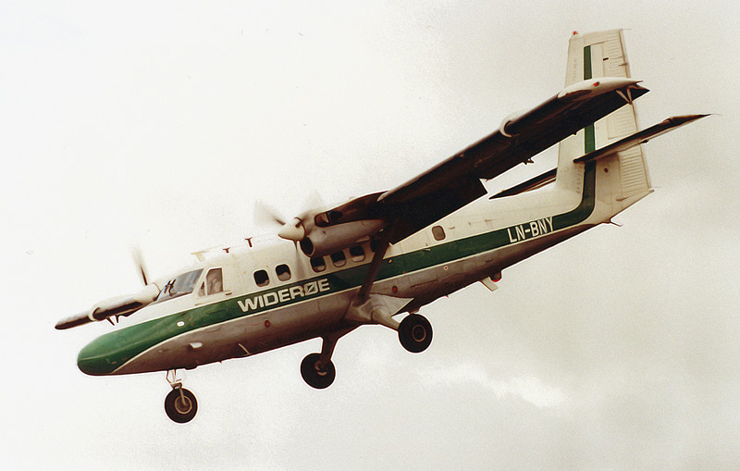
609 151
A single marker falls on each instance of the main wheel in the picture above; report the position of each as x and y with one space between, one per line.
316 376
180 405
415 333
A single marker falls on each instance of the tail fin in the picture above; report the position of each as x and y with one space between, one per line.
590 56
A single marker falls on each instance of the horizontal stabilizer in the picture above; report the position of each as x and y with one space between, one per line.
532 184
640 137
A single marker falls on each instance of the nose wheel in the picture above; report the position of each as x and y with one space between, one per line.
180 404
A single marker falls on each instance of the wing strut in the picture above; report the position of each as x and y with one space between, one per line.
372 272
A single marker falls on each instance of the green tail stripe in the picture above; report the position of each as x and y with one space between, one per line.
587 71
589 144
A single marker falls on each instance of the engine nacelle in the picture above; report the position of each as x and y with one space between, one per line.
322 241
125 305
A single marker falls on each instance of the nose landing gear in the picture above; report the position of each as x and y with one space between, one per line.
180 404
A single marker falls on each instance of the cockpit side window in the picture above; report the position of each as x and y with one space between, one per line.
179 286
214 281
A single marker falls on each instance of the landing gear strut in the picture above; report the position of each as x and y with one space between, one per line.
180 404
317 369
415 333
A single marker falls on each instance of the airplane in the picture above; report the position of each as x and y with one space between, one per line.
390 253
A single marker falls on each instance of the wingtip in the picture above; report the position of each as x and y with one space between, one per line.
685 119
73 321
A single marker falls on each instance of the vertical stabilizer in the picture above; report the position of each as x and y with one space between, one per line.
623 178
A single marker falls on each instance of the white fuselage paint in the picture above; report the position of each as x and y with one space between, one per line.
287 315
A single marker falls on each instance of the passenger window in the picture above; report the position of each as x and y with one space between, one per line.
283 272
357 253
438 233
214 281
318 264
261 278
338 259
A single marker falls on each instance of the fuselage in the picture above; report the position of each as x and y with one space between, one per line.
272 295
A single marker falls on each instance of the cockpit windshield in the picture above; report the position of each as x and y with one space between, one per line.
179 286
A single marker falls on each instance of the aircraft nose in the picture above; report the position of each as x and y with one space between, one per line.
95 359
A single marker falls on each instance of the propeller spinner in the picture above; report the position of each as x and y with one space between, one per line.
293 230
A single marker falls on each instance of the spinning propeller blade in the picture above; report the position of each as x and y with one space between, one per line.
139 261
293 229
266 215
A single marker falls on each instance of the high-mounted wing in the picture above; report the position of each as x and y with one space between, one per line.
598 89
456 181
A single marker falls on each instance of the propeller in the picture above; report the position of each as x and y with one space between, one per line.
120 305
139 262
266 215
293 229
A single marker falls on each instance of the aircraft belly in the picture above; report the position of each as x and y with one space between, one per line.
243 336
430 284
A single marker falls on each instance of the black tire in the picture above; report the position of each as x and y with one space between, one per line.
415 333
315 377
181 408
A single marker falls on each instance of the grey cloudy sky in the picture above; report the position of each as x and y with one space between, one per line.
161 124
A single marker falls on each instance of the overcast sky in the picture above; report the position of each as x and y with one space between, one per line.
161 123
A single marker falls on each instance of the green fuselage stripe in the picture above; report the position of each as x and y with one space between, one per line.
110 351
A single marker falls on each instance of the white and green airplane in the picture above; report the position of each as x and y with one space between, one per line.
391 253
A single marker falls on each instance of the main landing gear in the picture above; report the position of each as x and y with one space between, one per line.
316 374
415 333
180 404
317 369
